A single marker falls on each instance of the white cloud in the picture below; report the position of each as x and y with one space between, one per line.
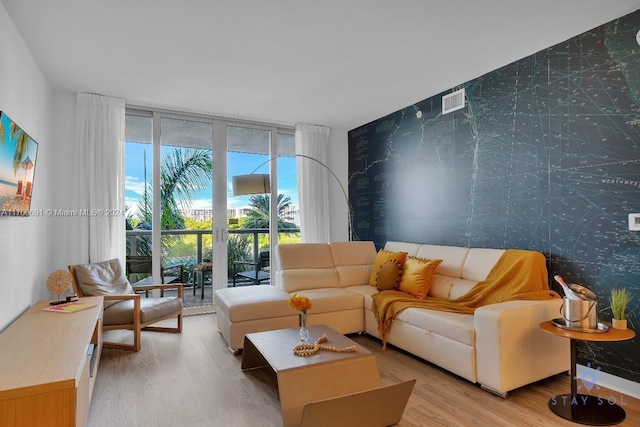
133 183
201 204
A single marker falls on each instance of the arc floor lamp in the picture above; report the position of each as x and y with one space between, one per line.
257 183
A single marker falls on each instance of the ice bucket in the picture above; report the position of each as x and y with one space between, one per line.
580 313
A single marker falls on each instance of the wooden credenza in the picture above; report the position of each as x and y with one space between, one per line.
48 366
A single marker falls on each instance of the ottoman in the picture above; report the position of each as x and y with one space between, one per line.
250 309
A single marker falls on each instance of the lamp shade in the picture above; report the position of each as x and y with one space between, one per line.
250 184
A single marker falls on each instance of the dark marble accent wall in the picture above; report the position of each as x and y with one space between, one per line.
545 156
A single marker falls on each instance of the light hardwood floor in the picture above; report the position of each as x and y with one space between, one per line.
191 379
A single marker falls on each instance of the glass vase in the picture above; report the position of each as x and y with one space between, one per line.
304 332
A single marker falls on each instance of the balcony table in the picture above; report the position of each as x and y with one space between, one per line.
199 278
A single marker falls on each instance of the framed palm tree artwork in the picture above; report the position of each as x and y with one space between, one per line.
17 168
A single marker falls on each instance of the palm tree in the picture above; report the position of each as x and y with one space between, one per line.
258 217
22 144
183 172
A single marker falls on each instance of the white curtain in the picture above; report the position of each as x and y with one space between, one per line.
313 183
100 176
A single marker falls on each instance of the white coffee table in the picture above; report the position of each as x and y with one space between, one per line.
305 379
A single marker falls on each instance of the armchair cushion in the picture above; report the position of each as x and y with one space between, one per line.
103 278
121 313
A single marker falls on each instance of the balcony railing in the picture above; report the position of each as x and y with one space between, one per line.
177 251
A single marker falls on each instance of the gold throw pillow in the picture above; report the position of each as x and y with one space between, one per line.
382 258
417 274
388 276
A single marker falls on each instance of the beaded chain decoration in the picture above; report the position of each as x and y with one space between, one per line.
307 349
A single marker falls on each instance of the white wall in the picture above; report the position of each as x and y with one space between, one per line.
25 242
338 161
33 247
64 228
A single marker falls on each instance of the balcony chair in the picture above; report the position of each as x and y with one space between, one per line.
123 308
257 275
142 264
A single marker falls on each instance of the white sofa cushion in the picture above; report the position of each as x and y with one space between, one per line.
306 266
311 278
459 287
456 326
364 290
328 300
353 253
253 302
440 286
353 261
479 263
453 258
304 256
353 275
410 248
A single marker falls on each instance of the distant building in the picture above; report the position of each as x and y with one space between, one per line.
198 214
238 212
292 213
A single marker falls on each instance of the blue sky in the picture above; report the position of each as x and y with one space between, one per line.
238 164
7 150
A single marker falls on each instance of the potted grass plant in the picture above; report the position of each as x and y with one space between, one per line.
619 300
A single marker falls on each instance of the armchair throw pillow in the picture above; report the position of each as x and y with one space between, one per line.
103 278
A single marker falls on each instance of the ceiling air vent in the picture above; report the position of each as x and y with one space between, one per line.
452 102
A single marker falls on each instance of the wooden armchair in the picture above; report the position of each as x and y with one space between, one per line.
123 308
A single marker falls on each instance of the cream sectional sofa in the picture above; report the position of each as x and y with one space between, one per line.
500 346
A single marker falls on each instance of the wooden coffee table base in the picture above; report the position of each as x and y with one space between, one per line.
305 379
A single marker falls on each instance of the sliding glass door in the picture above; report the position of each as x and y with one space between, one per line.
169 185
180 210
186 208
257 222
247 149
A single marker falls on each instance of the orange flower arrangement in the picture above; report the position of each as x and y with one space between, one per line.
300 303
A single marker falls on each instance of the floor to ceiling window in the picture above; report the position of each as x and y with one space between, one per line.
180 212
288 205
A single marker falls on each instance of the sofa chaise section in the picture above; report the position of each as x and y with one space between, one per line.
248 309
323 272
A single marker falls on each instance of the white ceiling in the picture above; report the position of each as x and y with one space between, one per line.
339 63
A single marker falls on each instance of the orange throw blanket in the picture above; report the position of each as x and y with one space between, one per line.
517 275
